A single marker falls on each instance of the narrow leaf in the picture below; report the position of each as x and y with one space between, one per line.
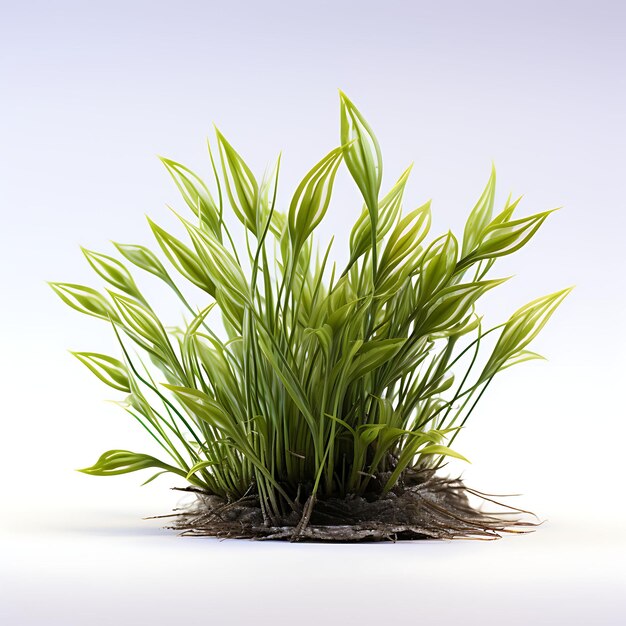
84 299
114 462
195 193
523 326
404 240
521 357
505 237
437 266
443 450
362 155
112 271
199 466
143 258
241 185
480 215
141 320
388 211
372 355
183 259
453 304
311 199
108 369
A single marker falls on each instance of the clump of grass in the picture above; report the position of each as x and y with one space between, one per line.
295 381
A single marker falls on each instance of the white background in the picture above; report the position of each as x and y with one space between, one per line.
91 92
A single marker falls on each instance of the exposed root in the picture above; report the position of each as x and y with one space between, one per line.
424 507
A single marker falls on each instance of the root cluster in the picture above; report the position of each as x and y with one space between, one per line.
423 507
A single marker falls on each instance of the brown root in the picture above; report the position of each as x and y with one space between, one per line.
425 507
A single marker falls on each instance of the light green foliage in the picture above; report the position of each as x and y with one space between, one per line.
312 198
292 376
107 368
195 193
241 186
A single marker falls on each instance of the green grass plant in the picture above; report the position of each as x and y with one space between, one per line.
294 377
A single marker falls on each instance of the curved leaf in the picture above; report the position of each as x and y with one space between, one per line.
453 304
437 266
505 237
114 462
183 259
480 215
523 326
85 299
311 199
372 355
144 259
443 450
141 320
388 211
108 369
112 271
241 186
195 193
362 155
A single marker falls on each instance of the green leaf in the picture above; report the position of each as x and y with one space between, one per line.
112 271
232 291
403 243
153 477
201 405
452 304
144 259
200 466
109 370
438 386
443 450
267 207
480 215
198 320
84 299
215 364
290 383
311 199
411 447
195 193
502 218
362 155
141 320
183 259
506 213
437 266
521 357
523 326
220 264
372 355
388 211
116 462
465 326
241 186
504 237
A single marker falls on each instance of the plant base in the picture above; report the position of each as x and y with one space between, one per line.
430 507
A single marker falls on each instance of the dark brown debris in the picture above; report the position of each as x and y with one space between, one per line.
431 507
